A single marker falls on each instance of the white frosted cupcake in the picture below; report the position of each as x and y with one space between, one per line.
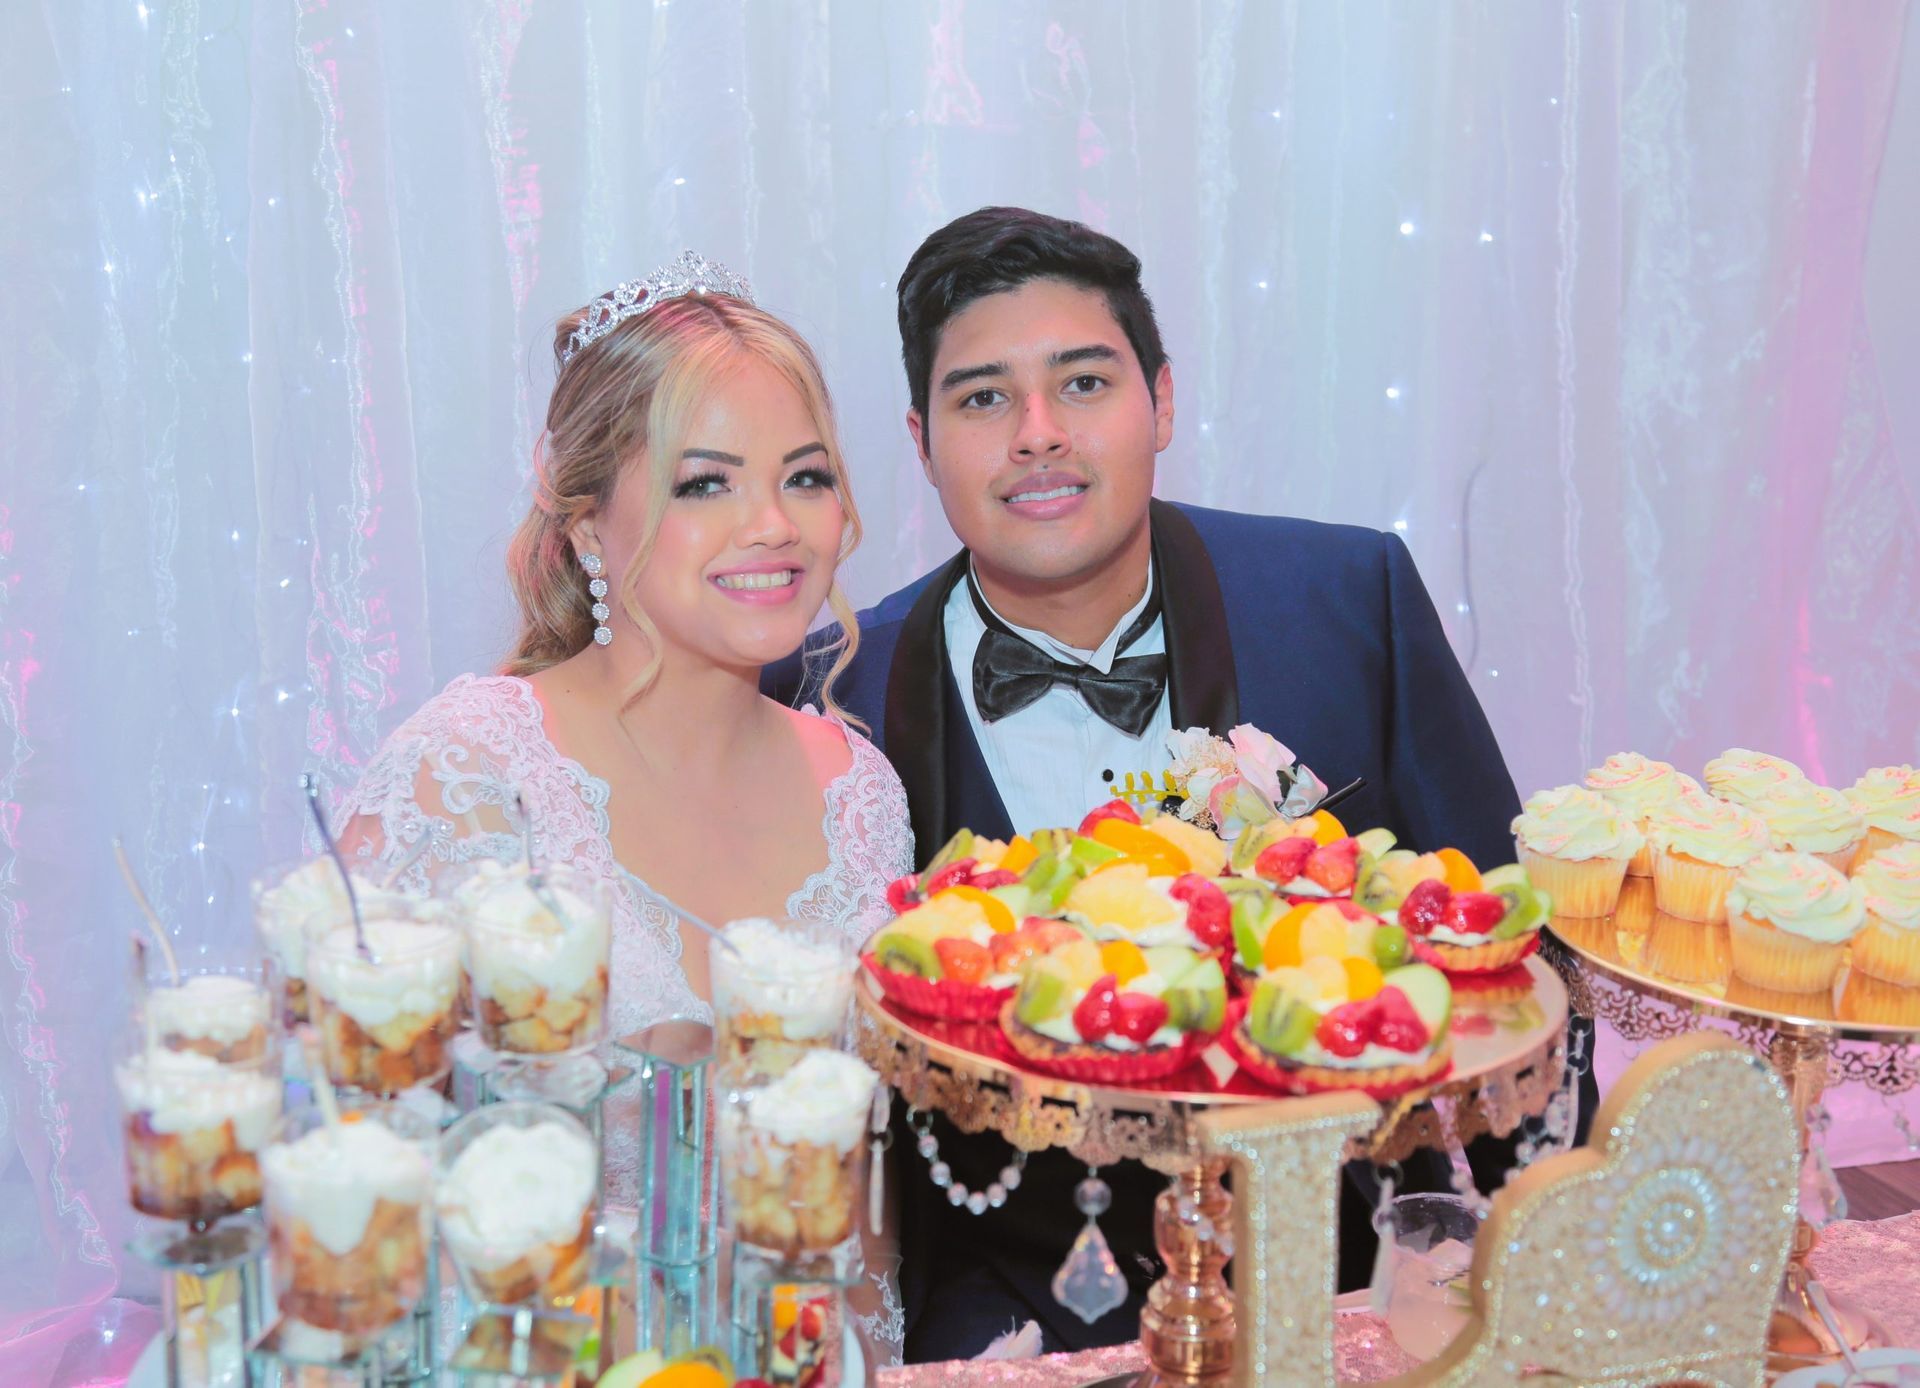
1742 776
1888 947
1575 845
1888 798
1639 786
1806 818
1700 844
1791 916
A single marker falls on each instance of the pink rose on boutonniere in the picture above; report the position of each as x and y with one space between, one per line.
1236 806
1261 758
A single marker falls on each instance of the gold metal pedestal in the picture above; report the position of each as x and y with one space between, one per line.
1509 1059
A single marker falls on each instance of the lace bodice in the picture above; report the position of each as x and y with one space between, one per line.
450 771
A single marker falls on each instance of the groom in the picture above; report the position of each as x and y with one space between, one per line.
1041 396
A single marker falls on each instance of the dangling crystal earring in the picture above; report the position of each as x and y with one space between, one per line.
597 588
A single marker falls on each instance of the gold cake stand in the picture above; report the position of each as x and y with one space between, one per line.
1509 1038
1651 976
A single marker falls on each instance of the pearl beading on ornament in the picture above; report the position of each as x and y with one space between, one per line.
975 1202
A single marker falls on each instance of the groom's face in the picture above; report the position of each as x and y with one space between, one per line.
1040 432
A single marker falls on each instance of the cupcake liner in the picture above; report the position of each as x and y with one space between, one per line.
1887 952
1690 951
1876 1002
1780 961
1690 889
1582 887
1476 959
1385 1082
1092 1065
1641 864
947 999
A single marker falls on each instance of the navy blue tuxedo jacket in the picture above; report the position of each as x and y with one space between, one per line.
1321 635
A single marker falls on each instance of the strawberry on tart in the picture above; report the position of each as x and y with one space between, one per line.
1384 1038
1115 1013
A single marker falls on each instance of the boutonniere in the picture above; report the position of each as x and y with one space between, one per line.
1229 784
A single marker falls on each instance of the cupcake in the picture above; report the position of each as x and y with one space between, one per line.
1888 798
1742 776
1888 946
1791 917
1639 786
1575 845
1806 818
1700 845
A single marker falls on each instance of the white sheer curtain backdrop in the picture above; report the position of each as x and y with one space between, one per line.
1579 297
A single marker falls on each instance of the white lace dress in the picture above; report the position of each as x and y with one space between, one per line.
450 772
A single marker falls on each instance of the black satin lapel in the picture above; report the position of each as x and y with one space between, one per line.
1202 691
916 716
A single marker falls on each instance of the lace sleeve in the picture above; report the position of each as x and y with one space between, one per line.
446 778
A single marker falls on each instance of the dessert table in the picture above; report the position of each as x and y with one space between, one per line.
1875 1264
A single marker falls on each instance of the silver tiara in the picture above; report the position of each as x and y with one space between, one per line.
690 274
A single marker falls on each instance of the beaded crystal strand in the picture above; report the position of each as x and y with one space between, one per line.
597 590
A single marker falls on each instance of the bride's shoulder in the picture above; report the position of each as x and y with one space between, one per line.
488 710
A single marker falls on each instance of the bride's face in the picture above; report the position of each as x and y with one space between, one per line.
746 549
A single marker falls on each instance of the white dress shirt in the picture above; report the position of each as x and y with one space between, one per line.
1055 759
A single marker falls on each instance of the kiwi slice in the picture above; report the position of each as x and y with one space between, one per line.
1376 890
1252 915
1199 1001
1047 883
1279 1022
1526 908
1043 995
957 847
906 954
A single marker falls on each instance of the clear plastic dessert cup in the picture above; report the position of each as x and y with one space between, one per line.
1428 1302
518 1198
793 1157
296 901
225 1014
194 1127
387 1022
539 948
349 1216
781 989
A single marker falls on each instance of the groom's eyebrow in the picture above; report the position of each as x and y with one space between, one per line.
1096 352
963 375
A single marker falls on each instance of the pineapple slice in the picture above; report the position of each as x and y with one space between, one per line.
1123 897
1207 854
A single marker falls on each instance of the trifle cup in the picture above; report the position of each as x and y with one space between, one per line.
538 955
194 1128
387 1023
225 1016
793 1157
781 989
518 1197
294 902
349 1216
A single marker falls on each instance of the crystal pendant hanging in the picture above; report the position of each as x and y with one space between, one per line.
1089 1283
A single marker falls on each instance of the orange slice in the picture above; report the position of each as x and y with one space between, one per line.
1462 875
1326 829
999 914
1363 978
1282 950
1136 842
1020 855
1123 959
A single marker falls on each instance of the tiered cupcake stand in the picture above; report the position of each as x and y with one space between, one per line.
1509 1062
1613 969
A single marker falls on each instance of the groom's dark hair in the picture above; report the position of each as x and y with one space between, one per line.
998 249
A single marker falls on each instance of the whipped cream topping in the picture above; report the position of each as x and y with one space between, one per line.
417 973
1712 830
515 1189
1575 824
516 939
309 901
1888 797
1740 774
331 1178
1809 818
1799 894
1635 783
215 1007
806 983
825 1100
185 1092
1890 880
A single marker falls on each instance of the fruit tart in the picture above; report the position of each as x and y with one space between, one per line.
1115 1013
1480 931
1269 934
1125 901
1301 867
1303 1035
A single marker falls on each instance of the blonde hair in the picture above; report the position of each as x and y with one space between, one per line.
633 392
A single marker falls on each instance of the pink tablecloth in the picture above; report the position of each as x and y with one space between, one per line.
1875 1265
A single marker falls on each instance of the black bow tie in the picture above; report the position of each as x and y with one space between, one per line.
1010 672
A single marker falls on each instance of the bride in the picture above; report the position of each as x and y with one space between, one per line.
691 506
